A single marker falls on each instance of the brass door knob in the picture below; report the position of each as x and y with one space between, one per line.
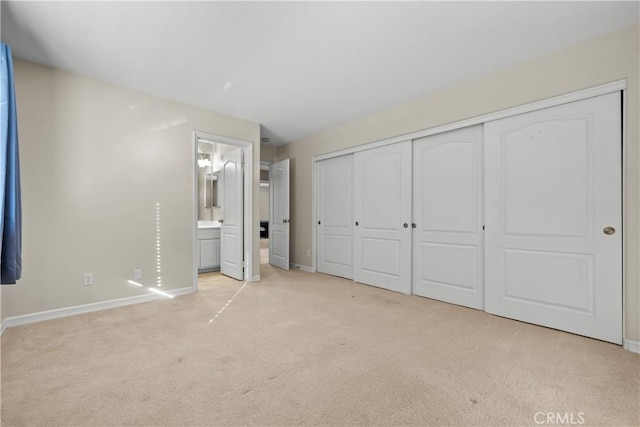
609 230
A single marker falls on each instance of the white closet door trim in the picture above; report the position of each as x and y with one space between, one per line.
520 109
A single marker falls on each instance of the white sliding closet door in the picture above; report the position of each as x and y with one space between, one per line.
382 217
334 214
448 262
553 217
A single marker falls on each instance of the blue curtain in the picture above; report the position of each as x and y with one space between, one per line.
10 203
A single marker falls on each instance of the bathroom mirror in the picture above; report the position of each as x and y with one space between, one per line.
211 191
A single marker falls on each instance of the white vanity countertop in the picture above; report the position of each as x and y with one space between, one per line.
208 224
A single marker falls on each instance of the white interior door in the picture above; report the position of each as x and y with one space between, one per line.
553 217
382 213
334 215
448 261
279 214
232 228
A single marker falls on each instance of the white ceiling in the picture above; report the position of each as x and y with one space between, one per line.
299 68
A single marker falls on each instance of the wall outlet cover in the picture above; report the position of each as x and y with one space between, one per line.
137 274
88 279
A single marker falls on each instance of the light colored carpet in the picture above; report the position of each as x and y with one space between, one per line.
211 281
308 349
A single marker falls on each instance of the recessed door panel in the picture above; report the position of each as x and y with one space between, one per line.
447 212
449 186
532 277
381 181
278 244
381 256
553 187
557 201
337 250
441 266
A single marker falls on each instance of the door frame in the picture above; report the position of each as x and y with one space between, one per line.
615 86
247 155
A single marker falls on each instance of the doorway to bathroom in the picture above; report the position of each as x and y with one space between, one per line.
222 209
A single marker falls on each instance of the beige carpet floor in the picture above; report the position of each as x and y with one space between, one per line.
308 349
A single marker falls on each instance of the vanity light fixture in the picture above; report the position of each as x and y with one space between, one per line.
204 160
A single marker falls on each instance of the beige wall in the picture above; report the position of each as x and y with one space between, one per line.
95 160
599 61
264 203
267 153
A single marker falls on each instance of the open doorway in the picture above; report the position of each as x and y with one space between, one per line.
264 212
222 209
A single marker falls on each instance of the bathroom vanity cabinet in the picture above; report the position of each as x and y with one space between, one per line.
208 249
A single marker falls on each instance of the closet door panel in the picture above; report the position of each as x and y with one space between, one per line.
554 217
334 213
447 211
382 217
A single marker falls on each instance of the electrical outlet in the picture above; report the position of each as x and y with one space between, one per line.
137 274
88 279
308 252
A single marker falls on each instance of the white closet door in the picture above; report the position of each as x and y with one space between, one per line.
553 217
448 262
334 207
382 217
279 214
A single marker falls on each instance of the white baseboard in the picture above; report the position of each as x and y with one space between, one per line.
255 278
632 346
301 267
88 308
